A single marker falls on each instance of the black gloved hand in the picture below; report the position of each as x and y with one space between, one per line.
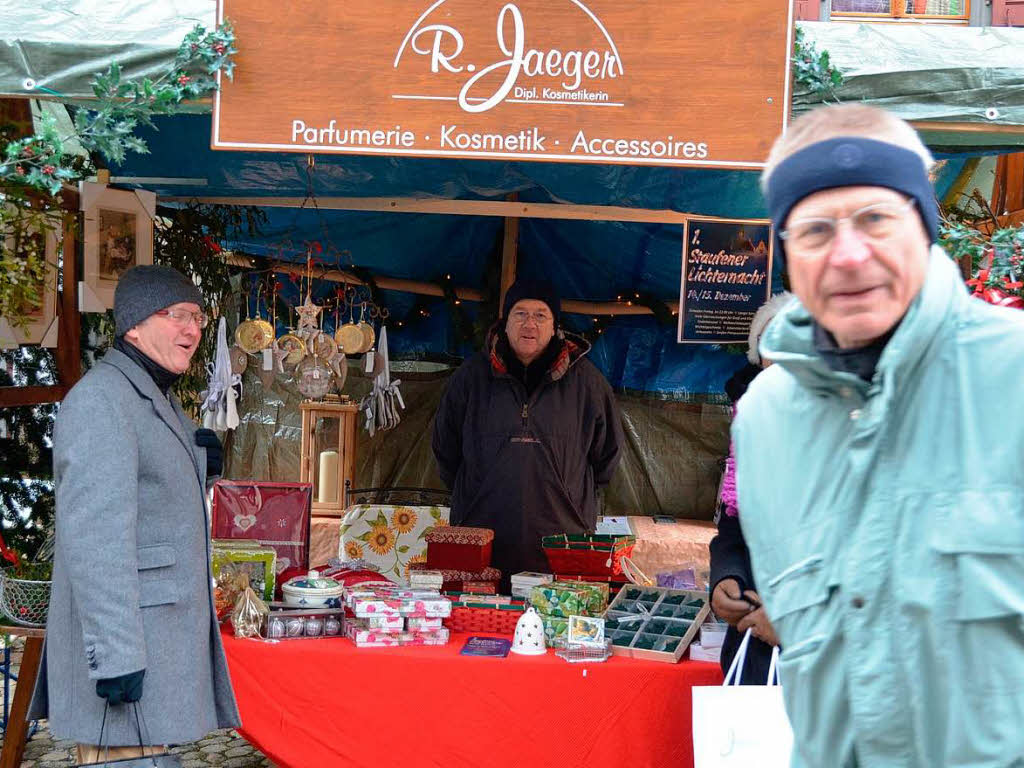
118 690
207 438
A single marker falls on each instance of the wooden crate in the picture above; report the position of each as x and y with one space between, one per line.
671 622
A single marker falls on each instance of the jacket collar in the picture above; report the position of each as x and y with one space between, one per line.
167 408
574 349
789 340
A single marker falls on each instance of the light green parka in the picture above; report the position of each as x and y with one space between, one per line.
886 527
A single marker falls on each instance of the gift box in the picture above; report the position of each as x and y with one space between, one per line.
480 587
556 630
406 603
251 558
296 624
426 579
364 637
457 548
275 514
615 583
453 579
593 554
570 598
386 623
424 625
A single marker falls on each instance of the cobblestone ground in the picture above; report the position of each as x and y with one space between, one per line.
223 749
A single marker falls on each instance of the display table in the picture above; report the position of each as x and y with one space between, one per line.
327 703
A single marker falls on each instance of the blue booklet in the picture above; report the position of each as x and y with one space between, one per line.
486 646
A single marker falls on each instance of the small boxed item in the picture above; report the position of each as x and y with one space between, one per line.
294 624
712 634
570 598
426 580
452 579
385 623
258 562
398 602
556 631
704 653
459 548
424 625
655 623
592 554
364 637
615 583
480 587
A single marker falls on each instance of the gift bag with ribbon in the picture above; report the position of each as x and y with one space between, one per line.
736 726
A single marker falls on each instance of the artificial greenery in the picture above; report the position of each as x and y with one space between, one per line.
44 162
25 221
972 235
813 69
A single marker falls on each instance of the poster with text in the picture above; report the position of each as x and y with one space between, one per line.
727 267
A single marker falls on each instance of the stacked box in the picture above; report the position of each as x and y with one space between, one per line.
423 625
452 580
524 582
426 580
556 631
563 599
460 549
393 601
364 637
258 562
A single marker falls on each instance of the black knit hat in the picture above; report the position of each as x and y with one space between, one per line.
144 289
541 290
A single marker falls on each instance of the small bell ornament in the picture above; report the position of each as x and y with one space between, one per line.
529 636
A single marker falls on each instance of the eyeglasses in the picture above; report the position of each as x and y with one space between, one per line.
810 238
520 316
183 317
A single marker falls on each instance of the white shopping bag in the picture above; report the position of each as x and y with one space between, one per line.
739 726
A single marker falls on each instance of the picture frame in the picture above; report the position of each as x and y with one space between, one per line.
585 632
41 322
117 234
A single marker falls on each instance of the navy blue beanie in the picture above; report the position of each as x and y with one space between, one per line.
541 290
849 161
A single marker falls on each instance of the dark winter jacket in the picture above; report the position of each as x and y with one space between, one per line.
527 466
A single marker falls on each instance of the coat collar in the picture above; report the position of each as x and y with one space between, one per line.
789 339
574 349
167 408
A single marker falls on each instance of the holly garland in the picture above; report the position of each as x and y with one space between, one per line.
813 69
43 161
997 261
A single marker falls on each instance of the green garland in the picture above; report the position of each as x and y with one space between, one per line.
813 69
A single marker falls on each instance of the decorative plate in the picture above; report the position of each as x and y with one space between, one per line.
322 345
369 336
314 378
350 339
251 336
294 346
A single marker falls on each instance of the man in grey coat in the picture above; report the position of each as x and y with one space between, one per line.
131 621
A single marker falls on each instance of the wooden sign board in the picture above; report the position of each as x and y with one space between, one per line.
727 275
682 83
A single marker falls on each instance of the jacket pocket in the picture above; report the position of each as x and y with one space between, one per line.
155 556
799 586
158 592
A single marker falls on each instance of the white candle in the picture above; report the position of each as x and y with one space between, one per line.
327 488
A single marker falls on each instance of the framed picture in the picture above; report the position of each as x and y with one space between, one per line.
118 235
41 316
586 632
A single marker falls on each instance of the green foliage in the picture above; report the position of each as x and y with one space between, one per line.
996 259
813 69
24 225
40 161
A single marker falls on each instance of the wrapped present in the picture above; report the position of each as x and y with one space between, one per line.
406 603
256 561
615 583
364 637
386 623
459 548
453 579
524 582
556 630
426 579
275 514
570 598
424 625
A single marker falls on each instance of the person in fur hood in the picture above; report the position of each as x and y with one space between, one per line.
526 431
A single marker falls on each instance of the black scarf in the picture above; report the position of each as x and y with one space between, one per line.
163 378
861 361
533 374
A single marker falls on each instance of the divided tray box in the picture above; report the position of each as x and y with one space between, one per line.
655 623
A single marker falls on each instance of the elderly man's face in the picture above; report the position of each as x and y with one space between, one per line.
169 340
860 284
530 327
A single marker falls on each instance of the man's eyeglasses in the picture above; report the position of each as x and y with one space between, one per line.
521 316
811 237
182 317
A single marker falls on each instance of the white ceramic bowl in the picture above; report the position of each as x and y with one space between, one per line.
312 591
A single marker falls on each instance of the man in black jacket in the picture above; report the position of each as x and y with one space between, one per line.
526 431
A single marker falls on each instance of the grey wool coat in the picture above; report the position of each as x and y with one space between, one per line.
131 576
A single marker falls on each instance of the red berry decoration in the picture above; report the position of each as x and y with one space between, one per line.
219 48
184 80
48 169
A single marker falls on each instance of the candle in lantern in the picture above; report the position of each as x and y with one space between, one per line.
327 489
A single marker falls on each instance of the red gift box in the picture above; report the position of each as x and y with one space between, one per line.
275 514
459 549
453 579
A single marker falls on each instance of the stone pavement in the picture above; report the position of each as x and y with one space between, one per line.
222 749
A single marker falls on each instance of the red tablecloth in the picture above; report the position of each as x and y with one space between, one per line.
321 703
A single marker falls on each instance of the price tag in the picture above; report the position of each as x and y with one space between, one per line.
268 359
316 373
368 362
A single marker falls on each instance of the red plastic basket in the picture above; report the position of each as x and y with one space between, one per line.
587 554
491 621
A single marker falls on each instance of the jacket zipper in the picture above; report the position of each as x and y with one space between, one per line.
526 408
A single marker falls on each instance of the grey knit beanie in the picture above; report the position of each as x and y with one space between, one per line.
144 289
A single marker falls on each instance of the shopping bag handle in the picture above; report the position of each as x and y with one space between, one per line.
737 660
773 668
140 726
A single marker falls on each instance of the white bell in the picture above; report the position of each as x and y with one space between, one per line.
529 637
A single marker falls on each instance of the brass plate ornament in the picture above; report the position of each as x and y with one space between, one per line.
322 345
294 346
350 339
252 335
369 336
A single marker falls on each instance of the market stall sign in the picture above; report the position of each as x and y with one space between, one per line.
685 83
727 267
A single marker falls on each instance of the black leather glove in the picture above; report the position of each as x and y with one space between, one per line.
207 438
118 690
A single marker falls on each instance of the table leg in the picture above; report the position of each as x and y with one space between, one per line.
17 725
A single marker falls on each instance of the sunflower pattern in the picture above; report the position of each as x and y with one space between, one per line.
390 537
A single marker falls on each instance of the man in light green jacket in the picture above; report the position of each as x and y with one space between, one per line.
880 465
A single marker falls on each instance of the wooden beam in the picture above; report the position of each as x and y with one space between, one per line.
17 720
69 340
963 178
503 208
928 126
16 397
509 254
